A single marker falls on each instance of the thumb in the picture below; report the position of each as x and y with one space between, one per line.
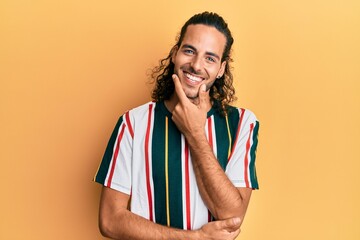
231 224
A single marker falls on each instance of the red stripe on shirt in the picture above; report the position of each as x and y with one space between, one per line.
210 132
237 132
115 156
211 145
147 163
129 124
187 187
246 162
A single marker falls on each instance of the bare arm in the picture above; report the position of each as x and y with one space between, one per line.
222 198
117 222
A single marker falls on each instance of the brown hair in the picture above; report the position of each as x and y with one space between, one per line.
222 92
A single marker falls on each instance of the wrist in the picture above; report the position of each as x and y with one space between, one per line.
198 234
188 235
196 137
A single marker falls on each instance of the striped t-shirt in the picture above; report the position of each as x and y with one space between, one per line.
148 158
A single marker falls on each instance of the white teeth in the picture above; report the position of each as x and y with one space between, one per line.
193 78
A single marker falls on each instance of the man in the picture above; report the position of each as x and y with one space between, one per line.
182 166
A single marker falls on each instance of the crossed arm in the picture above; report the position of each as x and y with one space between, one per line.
117 222
227 203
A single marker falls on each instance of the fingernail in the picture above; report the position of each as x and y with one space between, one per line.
203 88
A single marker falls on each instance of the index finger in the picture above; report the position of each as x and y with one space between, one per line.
178 88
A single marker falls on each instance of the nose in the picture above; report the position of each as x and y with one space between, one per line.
196 64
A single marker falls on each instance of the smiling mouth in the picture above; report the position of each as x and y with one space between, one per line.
192 78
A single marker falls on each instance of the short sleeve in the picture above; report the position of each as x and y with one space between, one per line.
115 168
241 168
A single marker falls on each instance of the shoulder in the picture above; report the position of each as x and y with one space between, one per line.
141 110
241 114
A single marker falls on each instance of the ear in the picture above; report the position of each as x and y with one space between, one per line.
173 53
222 68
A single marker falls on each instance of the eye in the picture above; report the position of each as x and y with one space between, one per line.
210 59
188 51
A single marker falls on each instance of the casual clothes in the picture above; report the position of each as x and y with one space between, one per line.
148 158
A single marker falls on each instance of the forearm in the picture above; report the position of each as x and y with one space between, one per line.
116 221
221 197
127 225
219 194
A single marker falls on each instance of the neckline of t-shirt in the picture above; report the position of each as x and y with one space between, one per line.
168 113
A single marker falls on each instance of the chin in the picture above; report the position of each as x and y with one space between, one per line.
191 94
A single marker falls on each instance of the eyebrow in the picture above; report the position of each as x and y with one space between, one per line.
207 53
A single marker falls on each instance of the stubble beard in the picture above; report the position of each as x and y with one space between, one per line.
189 69
195 96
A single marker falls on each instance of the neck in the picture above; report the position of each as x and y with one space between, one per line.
174 100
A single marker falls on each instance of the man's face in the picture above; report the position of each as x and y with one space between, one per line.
198 59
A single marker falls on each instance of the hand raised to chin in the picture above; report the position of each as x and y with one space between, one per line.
189 117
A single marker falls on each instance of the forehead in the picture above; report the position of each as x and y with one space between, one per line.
204 38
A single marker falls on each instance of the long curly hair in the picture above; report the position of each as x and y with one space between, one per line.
222 92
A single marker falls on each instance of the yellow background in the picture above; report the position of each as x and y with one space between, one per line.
69 68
